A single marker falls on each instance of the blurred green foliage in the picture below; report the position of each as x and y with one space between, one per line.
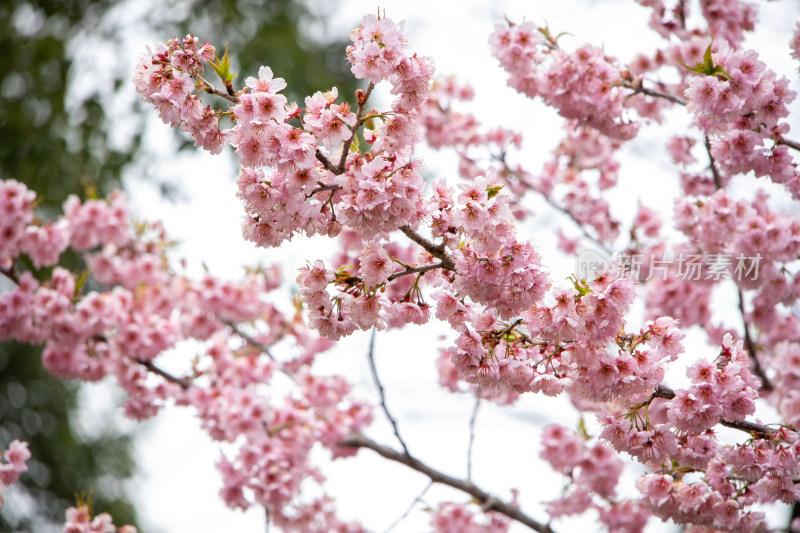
57 140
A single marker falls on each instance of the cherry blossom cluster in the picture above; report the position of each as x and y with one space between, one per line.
579 84
594 472
742 107
15 458
133 308
166 78
80 520
451 517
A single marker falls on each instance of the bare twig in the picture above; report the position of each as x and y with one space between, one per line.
436 250
410 507
472 421
751 347
381 393
549 201
358 440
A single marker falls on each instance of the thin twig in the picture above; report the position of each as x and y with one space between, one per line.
381 393
549 201
433 249
751 347
358 440
410 507
249 339
472 421
266 517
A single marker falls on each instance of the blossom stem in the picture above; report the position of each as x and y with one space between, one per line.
358 440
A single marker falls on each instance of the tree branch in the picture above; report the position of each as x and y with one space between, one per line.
10 274
210 89
415 270
712 164
358 440
184 384
433 249
791 144
381 393
637 87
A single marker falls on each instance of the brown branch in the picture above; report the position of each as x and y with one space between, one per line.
210 89
712 164
358 440
637 87
415 270
751 347
322 188
185 384
790 144
433 249
10 274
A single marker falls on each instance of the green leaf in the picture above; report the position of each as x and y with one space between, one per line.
223 68
707 67
492 191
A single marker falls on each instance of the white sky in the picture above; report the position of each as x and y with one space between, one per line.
177 490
